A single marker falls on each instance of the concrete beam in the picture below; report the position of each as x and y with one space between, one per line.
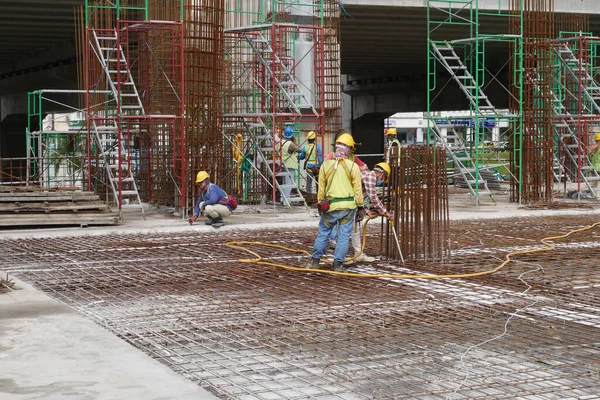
560 6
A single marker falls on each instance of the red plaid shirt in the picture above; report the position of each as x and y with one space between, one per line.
369 181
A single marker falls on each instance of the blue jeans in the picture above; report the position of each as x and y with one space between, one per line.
310 178
334 218
289 180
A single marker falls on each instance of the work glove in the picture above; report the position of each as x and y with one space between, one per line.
360 214
192 220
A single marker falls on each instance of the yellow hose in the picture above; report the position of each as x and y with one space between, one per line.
258 259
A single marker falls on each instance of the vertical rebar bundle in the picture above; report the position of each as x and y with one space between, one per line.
536 158
204 68
417 195
332 67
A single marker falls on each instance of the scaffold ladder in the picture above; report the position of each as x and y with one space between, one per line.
112 58
466 168
263 145
578 71
565 123
117 163
285 81
447 56
576 152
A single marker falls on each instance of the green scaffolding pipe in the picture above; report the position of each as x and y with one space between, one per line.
117 7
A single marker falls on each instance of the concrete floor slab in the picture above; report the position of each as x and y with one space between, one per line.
48 351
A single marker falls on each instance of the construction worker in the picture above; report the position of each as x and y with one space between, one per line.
370 180
289 150
362 167
339 197
213 201
392 142
313 154
594 155
237 145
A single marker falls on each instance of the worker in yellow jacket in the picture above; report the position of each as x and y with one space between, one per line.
339 197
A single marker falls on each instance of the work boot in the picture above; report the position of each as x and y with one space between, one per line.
314 263
364 258
210 221
218 222
338 266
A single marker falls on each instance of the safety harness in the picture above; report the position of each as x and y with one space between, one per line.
329 175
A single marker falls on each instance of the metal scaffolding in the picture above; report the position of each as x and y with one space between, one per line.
166 90
576 109
56 142
457 44
136 141
282 69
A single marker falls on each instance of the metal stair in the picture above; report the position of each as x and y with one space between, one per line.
118 165
115 155
576 152
579 72
261 142
446 55
565 122
463 163
263 145
112 58
277 66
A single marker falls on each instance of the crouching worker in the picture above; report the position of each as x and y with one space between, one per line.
213 202
339 197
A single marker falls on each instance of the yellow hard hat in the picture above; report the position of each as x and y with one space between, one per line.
346 139
311 135
597 136
386 168
391 131
202 175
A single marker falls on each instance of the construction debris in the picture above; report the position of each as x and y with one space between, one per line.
6 284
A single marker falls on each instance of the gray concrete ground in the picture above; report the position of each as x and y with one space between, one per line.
47 351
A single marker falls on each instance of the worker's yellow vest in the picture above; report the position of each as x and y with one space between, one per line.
338 187
289 160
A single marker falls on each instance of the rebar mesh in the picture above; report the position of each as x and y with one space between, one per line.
254 332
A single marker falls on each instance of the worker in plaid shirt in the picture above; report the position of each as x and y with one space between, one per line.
370 180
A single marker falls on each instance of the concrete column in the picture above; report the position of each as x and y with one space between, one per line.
495 134
346 112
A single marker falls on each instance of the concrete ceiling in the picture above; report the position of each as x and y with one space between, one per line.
392 41
375 40
31 27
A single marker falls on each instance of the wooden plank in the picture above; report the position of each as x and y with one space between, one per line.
4 189
51 207
16 220
15 198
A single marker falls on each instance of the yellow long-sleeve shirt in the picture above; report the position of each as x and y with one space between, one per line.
342 186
